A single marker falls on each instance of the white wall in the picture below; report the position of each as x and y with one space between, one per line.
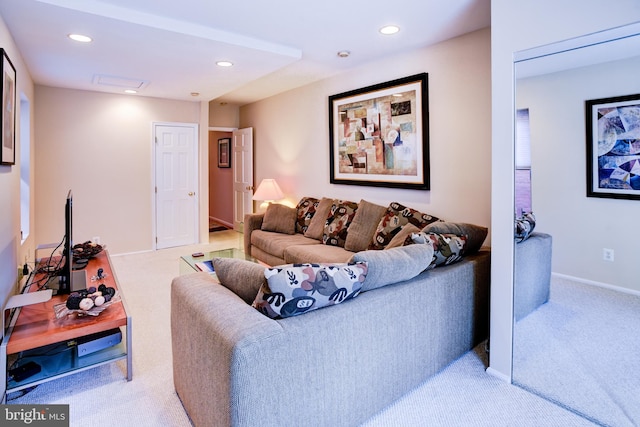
583 226
517 26
292 133
11 250
100 146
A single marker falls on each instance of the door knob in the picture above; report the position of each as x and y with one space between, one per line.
248 188
191 193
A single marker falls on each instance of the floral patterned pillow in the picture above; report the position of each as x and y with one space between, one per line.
338 221
524 226
394 219
305 209
295 289
447 248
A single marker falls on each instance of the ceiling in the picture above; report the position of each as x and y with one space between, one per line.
169 49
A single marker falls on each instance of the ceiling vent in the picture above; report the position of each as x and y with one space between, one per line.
123 82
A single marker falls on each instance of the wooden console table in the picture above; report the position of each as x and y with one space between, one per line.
35 334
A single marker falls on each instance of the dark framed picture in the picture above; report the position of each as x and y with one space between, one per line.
613 147
8 126
379 135
224 153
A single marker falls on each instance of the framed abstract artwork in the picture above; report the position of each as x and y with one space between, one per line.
379 135
8 124
613 147
224 153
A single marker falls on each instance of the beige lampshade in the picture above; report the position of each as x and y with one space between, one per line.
268 190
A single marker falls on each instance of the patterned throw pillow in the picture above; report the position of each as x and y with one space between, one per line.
397 216
524 226
295 289
335 228
305 209
447 248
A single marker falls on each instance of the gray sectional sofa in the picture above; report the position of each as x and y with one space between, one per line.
334 366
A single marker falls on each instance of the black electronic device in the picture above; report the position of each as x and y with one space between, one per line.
25 371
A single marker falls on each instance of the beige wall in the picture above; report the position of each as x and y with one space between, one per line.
12 250
291 136
100 146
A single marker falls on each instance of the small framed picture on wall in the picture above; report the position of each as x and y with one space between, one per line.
8 119
224 153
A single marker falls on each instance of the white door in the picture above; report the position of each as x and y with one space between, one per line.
242 159
176 177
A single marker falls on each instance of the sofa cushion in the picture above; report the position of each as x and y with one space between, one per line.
242 277
447 248
316 253
338 221
295 289
276 243
401 236
396 216
475 234
305 210
279 218
316 225
393 265
363 226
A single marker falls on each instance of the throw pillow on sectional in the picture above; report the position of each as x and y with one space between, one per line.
243 278
524 226
447 248
337 225
280 219
475 234
305 210
396 216
294 289
316 225
363 226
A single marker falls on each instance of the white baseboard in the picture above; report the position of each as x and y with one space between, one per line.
598 284
499 375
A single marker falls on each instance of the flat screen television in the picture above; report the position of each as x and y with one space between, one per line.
66 273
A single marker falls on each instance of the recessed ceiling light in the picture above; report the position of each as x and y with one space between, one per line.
224 63
389 29
130 91
344 53
80 38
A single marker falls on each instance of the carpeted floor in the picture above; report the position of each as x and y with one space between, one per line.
461 395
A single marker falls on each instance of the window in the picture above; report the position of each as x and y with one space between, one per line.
25 167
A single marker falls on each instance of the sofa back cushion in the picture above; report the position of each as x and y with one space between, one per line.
337 225
305 210
393 265
363 227
279 218
295 289
396 216
316 225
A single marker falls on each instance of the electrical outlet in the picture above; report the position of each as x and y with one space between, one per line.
607 254
96 239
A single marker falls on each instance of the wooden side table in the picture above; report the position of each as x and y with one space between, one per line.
35 334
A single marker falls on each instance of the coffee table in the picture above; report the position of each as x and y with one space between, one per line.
188 262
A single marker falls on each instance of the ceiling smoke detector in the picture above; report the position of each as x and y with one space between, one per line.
344 54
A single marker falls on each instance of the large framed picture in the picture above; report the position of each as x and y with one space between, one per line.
379 135
224 153
613 147
8 124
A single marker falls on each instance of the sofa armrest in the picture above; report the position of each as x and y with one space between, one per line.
251 222
208 324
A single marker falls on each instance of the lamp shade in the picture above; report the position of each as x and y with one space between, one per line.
268 190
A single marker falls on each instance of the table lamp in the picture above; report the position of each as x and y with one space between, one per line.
268 191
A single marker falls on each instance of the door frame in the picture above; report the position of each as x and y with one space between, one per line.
196 153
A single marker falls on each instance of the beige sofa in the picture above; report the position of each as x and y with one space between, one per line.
330 230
